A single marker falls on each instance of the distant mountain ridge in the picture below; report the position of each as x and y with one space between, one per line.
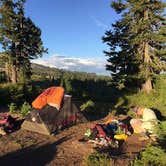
45 70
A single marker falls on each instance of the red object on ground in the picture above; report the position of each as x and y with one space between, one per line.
4 119
101 131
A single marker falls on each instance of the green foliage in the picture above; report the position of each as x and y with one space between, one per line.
11 93
86 105
17 93
25 109
154 155
161 132
97 159
12 108
155 99
66 83
151 156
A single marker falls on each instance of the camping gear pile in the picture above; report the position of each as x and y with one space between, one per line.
110 133
52 111
7 123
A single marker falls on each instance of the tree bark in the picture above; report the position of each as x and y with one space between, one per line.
147 85
13 74
7 74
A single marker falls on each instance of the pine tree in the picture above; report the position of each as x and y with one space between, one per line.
20 39
137 43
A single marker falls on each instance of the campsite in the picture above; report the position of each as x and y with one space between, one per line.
64 148
83 83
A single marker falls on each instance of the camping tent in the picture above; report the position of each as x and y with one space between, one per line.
49 119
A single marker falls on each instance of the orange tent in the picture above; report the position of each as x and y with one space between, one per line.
52 96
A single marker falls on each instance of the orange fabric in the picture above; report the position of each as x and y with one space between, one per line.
55 96
109 120
40 101
52 96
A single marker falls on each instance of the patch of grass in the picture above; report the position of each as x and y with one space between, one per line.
161 132
97 159
25 109
88 104
155 99
12 108
151 156
154 155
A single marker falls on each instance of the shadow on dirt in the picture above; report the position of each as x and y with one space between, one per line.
33 155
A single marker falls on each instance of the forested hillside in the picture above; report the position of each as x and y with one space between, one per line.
79 84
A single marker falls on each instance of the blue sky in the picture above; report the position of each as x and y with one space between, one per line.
72 32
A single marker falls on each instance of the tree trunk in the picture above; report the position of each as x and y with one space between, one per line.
13 74
147 85
7 74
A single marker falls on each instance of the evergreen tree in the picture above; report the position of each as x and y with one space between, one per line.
20 39
137 43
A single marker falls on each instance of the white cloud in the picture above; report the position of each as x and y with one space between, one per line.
90 65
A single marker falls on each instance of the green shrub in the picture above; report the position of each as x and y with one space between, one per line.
161 131
97 159
25 108
154 155
17 93
11 93
151 156
86 105
12 108
155 99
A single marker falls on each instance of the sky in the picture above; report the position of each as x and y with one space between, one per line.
72 32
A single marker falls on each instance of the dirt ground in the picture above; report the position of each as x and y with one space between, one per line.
27 148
